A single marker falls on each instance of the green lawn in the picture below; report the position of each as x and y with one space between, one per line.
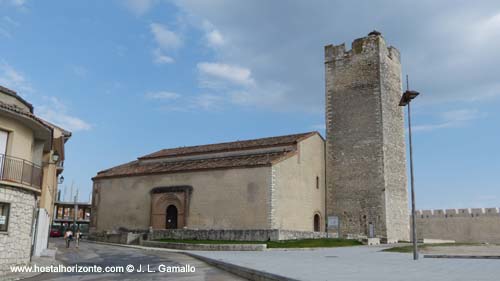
304 243
409 248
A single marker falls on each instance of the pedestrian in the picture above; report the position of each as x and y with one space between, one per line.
68 236
78 236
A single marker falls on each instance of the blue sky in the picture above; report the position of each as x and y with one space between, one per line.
132 77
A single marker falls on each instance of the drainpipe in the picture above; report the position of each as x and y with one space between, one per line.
34 223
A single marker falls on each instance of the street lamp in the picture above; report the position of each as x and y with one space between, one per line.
55 156
405 100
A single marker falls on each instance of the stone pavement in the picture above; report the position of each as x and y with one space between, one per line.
359 263
107 255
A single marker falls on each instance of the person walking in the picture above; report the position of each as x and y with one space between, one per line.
78 235
68 236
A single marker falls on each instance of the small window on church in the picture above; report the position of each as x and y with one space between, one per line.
317 182
316 223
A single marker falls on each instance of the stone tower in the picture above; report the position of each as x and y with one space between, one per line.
366 154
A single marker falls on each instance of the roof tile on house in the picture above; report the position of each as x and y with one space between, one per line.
20 111
260 158
13 93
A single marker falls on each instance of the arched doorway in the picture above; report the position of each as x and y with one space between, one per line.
171 217
316 223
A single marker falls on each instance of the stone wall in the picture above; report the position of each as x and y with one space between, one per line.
205 247
235 235
480 225
118 238
15 244
297 198
221 199
365 159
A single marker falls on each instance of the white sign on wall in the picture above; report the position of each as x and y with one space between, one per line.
333 222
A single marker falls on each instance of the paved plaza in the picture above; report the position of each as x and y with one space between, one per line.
107 255
348 263
360 263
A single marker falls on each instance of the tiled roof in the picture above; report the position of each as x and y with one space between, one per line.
12 93
228 146
65 132
17 110
136 168
144 166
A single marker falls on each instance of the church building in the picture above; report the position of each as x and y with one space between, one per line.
354 183
268 183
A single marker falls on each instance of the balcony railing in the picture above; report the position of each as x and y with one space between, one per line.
21 171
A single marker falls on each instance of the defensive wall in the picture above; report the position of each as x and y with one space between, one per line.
479 225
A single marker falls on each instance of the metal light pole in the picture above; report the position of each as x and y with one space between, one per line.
405 100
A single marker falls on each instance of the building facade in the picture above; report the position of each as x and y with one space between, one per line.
27 154
53 168
365 140
74 215
270 183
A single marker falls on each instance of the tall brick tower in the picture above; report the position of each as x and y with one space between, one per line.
366 154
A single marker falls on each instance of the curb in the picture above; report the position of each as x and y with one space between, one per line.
461 257
245 272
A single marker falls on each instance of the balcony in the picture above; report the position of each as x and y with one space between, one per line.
17 170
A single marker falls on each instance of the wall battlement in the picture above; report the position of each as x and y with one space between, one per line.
477 225
449 213
361 46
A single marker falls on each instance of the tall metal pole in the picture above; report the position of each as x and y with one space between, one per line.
413 214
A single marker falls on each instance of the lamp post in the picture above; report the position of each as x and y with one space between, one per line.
405 100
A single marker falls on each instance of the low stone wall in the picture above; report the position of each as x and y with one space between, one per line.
205 247
119 238
461 225
234 235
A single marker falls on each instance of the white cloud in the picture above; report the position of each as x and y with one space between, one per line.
164 37
451 119
214 38
162 95
4 33
207 102
52 109
235 74
10 21
13 79
160 58
6 26
139 7
56 112
79 70
212 35
16 3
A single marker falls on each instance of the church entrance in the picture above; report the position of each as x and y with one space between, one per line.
171 217
170 206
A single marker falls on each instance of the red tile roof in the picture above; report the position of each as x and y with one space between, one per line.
20 111
12 93
260 158
229 146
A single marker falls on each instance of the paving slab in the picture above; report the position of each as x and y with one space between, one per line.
359 263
